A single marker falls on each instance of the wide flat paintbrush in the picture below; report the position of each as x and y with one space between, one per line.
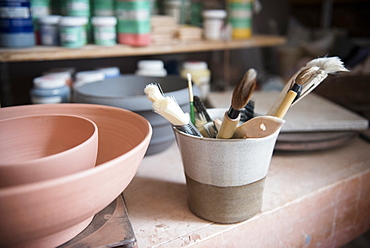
153 92
241 95
170 109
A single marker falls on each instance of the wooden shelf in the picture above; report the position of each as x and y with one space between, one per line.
42 53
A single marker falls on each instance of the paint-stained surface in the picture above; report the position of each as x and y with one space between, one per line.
315 199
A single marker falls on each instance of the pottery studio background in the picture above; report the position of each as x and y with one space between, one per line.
346 34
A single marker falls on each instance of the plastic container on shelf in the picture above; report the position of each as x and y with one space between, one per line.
102 7
240 16
151 68
213 22
104 30
80 8
72 31
65 75
85 77
16 27
133 22
49 89
49 30
39 9
196 8
200 75
179 9
110 72
77 8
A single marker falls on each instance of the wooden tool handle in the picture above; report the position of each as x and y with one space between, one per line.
227 127
286 103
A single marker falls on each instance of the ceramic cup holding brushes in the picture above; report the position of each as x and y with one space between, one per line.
225 177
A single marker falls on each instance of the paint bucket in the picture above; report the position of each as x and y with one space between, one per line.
225 177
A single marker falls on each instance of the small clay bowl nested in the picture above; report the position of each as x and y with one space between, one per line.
51 212
41 147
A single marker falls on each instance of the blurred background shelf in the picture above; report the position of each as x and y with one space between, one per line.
41 53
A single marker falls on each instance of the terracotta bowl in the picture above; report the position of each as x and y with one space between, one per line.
36 148
49 213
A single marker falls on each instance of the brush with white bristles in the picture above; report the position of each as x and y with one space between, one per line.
316 71
169 108
153 92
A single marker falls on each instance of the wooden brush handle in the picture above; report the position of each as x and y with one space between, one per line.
227 127
285 104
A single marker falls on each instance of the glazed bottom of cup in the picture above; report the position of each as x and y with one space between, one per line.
57 239
225 205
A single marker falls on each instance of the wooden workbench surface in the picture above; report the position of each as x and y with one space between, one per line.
316 199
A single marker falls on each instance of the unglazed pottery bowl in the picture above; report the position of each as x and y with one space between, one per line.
49 213
127 92
40 147
225 177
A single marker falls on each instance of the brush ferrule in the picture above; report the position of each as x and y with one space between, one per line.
188 129
296 88
232 113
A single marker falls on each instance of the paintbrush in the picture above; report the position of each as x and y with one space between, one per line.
247 112
153 92
302 78
191 100
170 110
240 97
201 109
320 69
207 127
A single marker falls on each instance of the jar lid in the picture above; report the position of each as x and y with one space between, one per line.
154 73
150 64
195 65
89 76
104 20
110 71
49 82
49 19
71 70
73 21
64 75
214 13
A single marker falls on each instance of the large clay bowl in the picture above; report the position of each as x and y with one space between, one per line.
40 147
49 213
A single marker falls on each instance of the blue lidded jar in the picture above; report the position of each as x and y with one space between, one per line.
49 89
16 27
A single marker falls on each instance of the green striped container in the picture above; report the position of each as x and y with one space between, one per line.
240 17
80 8
133 22
102 7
